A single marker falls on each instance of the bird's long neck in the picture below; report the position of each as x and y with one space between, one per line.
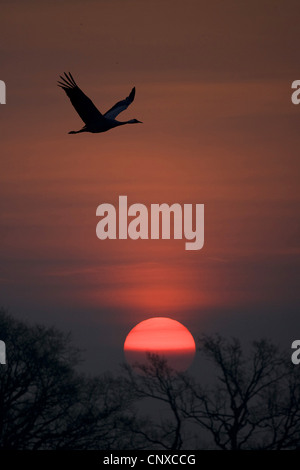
121 123
118 123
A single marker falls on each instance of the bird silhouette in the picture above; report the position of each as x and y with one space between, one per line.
94 120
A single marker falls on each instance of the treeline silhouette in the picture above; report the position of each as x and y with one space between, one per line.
253 402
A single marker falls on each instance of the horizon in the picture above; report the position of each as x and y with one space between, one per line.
219 128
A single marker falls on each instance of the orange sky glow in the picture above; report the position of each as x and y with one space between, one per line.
219 129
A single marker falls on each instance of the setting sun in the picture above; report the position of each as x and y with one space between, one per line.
162 336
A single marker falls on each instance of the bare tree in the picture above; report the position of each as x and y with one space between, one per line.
155 382
255 400
46 404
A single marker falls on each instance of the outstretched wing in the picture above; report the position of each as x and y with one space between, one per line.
83 105
120 106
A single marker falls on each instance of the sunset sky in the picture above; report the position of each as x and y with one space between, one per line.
213 89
